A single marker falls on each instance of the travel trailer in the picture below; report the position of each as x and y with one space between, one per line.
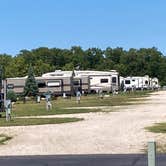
136 82
55 85
16 84
155 83
141 82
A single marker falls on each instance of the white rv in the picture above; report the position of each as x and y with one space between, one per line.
155 83
98 80
136 82
126 83
101 80
141 82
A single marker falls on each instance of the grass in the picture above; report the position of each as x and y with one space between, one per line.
4 138
31 108
157 128
94 100
36 121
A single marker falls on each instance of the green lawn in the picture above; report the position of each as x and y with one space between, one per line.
31 108
36 121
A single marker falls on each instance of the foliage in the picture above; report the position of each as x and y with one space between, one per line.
31 87
11 95
134 62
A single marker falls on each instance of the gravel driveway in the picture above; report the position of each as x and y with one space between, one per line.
100 133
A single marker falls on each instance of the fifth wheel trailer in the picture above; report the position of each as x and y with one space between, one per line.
81 83
101 80
98 80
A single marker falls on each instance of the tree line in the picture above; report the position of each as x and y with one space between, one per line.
132 62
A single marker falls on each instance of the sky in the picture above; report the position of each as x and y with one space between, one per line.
29 24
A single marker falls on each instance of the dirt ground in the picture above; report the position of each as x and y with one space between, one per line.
100 133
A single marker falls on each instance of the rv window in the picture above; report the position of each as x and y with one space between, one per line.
53 83
76 82
127 81
10 86
146 82
104 81
41 84
133 80
113 79
56 75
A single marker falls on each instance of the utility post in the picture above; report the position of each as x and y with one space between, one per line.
5 90
1 96
152 153
3 85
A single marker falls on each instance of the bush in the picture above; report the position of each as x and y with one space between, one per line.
11 95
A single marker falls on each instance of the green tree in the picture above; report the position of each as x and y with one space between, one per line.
95 57
31 87
5 61
114 54
17 67
68 66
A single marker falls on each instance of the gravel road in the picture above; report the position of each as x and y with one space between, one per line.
100 133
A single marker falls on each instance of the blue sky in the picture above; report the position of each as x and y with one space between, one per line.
29 24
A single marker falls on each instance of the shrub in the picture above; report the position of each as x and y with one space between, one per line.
11 95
